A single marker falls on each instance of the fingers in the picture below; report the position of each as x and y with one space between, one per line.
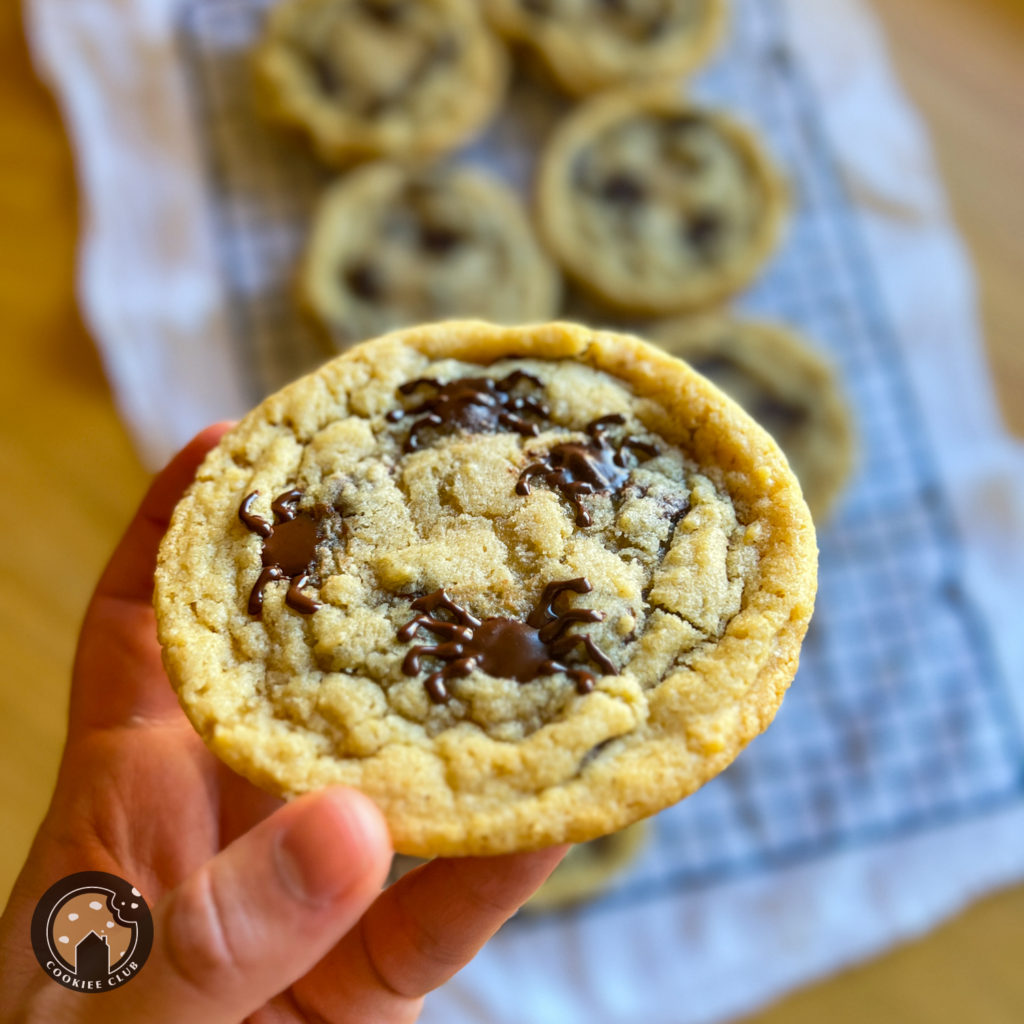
129 573
118 673
260 914
418 933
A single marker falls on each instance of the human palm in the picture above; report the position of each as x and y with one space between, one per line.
263 911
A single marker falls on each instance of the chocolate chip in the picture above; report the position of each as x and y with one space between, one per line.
687 161
704 230
540 8
683 122
622 188
439 239
601 847
327 78
714 366
421 190
366 281
774 412
384 12
680 133
377 106
634 22
656 27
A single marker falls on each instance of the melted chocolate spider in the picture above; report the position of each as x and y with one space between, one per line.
579 468
289 548
474 404
502 647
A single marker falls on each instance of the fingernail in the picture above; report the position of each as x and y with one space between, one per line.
326 849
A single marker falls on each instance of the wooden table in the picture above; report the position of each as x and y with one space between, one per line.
71 478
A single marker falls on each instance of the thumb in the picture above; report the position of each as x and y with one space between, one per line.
263 912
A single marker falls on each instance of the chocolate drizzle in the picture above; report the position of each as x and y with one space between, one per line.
506 648
473 404
579 468
289 548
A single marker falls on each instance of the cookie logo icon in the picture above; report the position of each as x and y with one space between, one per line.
92 931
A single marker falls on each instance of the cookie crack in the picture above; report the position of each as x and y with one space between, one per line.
705 635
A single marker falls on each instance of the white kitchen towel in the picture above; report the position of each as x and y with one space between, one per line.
889 791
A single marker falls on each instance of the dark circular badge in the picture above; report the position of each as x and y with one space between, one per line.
92 931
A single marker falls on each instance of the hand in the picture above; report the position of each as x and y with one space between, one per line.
262 911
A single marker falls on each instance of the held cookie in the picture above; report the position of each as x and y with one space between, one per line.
391 247
786 386
658 206
519 585
590 45
371 78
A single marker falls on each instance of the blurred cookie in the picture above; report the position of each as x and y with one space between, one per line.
520 585
373 78
588 869
656 205
391 247
590 45
785 385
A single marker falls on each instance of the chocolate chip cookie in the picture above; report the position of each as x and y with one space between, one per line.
392 246
656 205
521 585
590 45
372 78
785 385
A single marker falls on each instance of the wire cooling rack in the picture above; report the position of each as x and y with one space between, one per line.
899 719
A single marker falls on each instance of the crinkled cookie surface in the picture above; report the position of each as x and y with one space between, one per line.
519 585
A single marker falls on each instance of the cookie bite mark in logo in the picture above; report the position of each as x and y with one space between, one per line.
92 931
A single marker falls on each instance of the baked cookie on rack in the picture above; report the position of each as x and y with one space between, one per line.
589 869
392 246
520 585
586 872
657 205
790 389
379 78
591 45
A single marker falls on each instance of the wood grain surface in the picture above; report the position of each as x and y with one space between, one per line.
71 479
